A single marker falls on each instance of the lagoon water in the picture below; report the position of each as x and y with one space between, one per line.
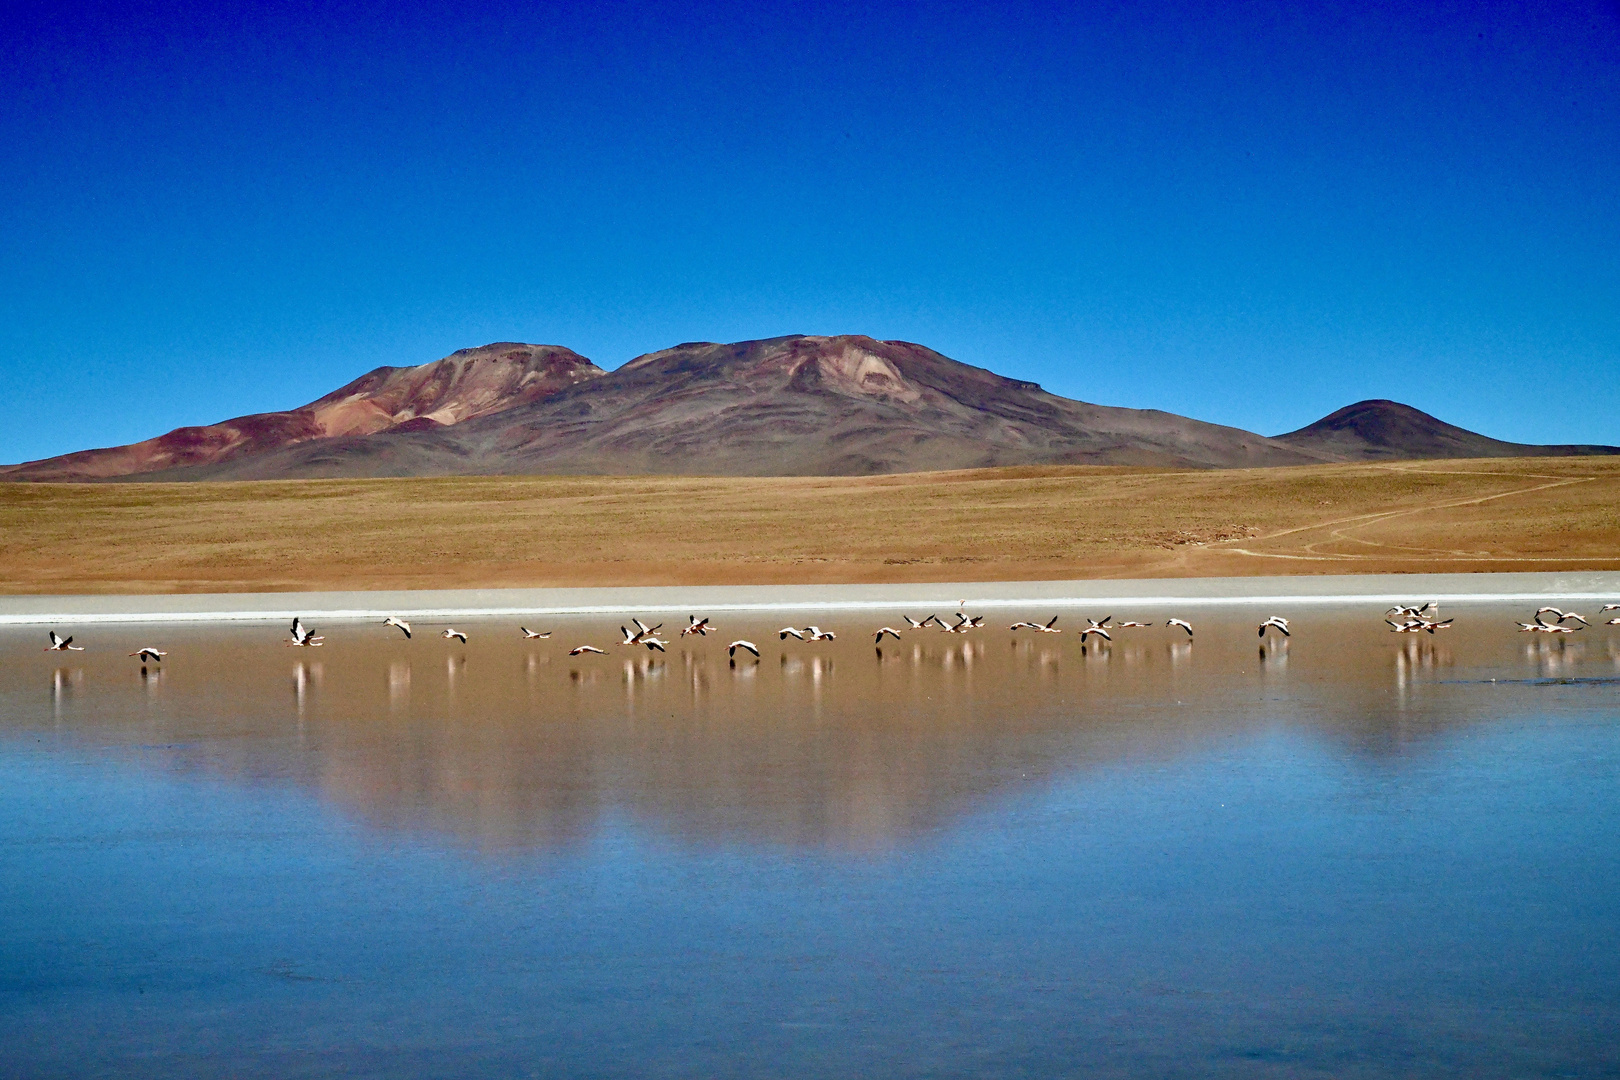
989 855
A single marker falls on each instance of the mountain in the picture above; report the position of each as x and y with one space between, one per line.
1378 429
797 405
835 406
466 384
784 406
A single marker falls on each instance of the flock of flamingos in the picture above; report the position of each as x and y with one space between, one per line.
1402 619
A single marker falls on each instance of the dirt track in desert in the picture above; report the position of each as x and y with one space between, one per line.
1002 524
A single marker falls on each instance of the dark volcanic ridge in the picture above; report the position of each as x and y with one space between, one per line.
788 406
1379 429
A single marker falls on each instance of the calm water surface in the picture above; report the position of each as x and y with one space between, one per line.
990 856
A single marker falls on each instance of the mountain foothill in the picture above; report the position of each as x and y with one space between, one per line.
786 406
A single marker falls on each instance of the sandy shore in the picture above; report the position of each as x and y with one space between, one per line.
1585 586
1062 523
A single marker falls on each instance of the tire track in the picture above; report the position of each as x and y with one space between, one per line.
1340 528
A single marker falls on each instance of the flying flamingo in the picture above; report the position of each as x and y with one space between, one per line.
62 644
301 635
1049 628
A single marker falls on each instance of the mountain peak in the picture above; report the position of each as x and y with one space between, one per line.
852 364
1379 422
804 404
466 384
1382 429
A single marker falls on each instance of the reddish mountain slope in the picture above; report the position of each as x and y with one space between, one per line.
466 384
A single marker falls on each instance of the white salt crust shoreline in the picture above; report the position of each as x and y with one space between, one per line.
1369 589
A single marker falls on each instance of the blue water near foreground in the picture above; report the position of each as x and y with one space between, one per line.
1346 854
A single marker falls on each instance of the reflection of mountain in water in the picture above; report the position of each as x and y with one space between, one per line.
841 745
834 748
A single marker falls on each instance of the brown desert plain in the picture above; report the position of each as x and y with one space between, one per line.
1025 523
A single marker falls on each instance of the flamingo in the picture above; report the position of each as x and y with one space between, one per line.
731 650
1276 621
531 635
301 635
790 630
1418 626
695 625
1095 628
457 634
585 649
62 644
877 638
816 633
150 654
1047 629
400 624
1183 623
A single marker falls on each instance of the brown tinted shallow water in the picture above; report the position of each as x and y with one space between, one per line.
1348 854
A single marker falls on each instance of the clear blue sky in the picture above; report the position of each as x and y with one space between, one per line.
1247 213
